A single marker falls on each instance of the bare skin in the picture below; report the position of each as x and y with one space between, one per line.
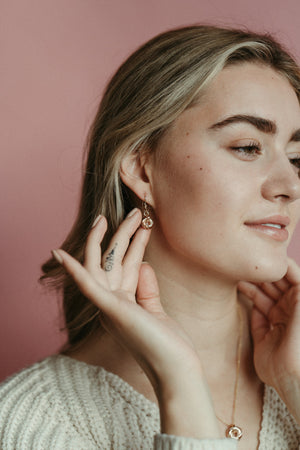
129 299
104 351
179 323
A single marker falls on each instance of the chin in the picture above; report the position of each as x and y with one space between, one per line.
268 271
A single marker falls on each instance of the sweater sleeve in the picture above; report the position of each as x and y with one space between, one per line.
168 442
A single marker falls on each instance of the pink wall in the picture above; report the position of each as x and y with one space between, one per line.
55 58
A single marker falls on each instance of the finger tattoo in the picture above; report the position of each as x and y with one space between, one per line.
109 260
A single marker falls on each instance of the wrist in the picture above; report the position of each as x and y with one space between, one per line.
186 407
289 392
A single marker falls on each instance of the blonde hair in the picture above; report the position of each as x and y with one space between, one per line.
149 91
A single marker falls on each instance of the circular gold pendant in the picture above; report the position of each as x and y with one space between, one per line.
147 223
234 432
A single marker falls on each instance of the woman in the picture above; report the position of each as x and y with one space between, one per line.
196 142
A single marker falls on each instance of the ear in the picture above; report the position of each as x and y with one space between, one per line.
135 172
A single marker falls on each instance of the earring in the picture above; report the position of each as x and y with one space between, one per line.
147 222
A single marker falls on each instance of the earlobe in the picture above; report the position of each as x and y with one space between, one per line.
136 175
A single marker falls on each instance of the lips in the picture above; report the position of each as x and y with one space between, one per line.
272 226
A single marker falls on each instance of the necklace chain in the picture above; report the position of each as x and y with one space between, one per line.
232 430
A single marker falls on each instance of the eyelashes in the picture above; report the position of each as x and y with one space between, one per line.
295 162
249 151
253 150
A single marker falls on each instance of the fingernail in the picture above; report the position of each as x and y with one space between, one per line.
132 213
97 220
57 256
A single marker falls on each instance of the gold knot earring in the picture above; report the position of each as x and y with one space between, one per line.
147 222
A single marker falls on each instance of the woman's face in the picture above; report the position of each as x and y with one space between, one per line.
226 167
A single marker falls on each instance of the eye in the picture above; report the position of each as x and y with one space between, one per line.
249 151
295 162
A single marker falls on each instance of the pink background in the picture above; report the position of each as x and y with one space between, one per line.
56 56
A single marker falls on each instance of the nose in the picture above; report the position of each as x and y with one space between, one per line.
282 182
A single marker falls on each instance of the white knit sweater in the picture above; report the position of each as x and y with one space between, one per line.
60 403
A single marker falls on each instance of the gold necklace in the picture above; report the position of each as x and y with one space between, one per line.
232 430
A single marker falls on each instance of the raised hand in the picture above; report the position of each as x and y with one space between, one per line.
275 326
126 292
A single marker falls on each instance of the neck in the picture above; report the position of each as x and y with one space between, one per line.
203 301
205 305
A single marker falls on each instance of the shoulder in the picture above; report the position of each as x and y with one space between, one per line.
279 430
35 408
66 404
32 386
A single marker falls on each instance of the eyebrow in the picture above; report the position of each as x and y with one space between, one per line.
264 125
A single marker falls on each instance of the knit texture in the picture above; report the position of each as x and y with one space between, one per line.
60 403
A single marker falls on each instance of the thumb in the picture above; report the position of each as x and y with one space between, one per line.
147 293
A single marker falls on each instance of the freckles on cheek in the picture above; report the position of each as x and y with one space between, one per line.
188 157
182 175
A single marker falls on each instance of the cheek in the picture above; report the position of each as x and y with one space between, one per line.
201 205
178 185
193 198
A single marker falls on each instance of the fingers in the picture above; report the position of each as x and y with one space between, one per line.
113 256
262 301
92 253
133 260
259 326
147 294
271 290
282 284
122 259
86 282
